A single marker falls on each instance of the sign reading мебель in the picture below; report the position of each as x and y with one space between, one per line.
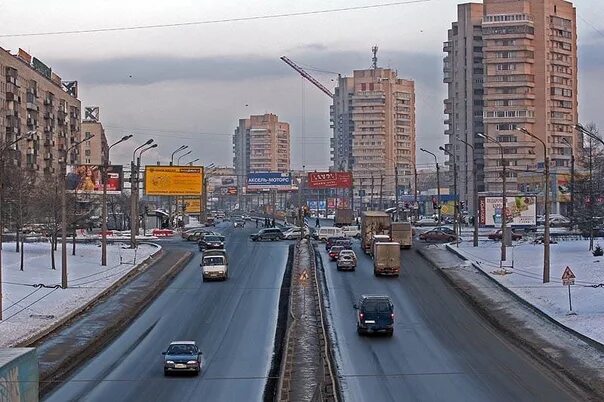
329 179
269 181
519 210
173 180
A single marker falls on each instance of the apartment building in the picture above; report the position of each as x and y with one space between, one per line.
261 143
93 151
464 76
36 105
373 117
529 57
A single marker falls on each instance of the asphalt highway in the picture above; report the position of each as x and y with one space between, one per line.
442 350
233 322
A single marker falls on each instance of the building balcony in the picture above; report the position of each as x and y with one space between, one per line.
499 60
32 122
447 47
31 106
509 84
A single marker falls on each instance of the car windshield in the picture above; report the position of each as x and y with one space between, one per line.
217 260
213 238
376 306
181 349
336 249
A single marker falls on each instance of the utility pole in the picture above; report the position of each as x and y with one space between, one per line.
456 226
104 202
398 214
437 182
371 197
381 192
504 198
572 182
475 186
64 212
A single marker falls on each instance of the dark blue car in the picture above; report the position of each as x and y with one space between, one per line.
182 356
375 315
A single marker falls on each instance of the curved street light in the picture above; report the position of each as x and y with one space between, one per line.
456 226
437 181
104 201
181 156
475 182
179 149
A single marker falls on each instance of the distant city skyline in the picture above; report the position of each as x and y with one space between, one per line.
189 85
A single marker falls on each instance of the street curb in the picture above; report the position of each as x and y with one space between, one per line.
134 272
538 353
77 356
543 314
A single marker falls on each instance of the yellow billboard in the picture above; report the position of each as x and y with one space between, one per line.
192 205
173 180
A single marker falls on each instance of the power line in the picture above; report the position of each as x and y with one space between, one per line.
218 21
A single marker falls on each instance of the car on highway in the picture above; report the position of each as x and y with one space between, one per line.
195 235
214 265
323 233
442 233
272 234
347 261
294 233
331 241
345 243
182 356
352 231
238 223
426 222
186 233
375 315
334 252
210 241
497 235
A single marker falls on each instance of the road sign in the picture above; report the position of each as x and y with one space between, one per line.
568 277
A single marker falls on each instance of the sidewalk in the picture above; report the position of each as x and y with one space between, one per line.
33 300
525 280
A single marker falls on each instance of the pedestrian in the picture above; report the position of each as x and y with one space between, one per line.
317 223
273 223
256 222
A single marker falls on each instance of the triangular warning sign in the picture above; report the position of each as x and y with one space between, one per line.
568 274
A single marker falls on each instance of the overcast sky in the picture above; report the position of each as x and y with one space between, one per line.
190 85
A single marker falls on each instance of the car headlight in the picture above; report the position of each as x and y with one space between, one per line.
169 362
192 362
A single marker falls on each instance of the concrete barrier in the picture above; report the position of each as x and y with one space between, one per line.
19 375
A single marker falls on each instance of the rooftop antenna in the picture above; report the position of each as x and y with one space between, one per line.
374 59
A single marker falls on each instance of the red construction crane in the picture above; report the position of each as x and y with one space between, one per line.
307 76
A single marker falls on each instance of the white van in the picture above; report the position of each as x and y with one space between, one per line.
329 231
351 231
214 265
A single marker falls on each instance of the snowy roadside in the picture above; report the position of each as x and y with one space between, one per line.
28 308
525 280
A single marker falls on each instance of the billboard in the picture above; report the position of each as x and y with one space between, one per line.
89 179
338 203
173 180
192 205
226 190
520 210
269 180
330 180
316 205
41 68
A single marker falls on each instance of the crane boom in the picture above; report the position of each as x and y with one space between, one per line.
307 76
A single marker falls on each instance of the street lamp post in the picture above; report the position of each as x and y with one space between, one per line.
2 150
134 193
546 239
503 196
572 181
64 212
104 201
192 162
591 136
179 149
437 182
456 226
204 192
475 185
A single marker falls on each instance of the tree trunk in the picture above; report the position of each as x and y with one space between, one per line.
74 243
52 252
18 239
22 252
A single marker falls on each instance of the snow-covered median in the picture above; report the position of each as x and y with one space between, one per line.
526 277
28 308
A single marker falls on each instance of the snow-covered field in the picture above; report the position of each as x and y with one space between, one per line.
526 280
27 309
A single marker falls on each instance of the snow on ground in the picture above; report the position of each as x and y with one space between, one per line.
27 309
526 279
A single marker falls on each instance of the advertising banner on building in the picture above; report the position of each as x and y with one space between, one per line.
338 203
88 179
520 210
316 205
173 180
269 181
330 180
226 190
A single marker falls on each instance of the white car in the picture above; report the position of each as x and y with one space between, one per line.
351 231
294 233
426 222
